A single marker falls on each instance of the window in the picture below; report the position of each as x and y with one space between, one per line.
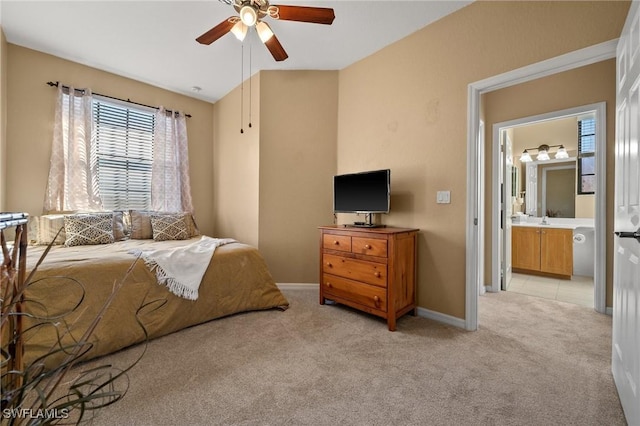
111 155
124 154
587 156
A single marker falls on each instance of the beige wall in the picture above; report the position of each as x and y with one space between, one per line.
586 206
405 108
273 184
582 86
3 119
30 124
236 165
297 164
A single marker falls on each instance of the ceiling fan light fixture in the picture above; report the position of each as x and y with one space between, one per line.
239 30
248 15
264 31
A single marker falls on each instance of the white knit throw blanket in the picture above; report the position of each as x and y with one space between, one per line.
181 268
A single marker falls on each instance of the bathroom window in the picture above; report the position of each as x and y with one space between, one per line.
587 156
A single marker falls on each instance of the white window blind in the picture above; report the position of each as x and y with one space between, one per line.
124 153
586 156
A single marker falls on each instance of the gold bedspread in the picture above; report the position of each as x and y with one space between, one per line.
237 280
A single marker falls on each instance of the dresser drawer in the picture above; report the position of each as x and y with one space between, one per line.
363 294
359 270
336 242
369 246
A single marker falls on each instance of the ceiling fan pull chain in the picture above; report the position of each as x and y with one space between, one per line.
241 85
250 76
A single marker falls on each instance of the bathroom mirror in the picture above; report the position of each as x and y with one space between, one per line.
557 189
551 190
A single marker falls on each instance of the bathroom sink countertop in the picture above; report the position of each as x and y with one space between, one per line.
556 224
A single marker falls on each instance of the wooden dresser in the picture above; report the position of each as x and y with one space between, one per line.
370 269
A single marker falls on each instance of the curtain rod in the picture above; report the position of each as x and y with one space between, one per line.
57 83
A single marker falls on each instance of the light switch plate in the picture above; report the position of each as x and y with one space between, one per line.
443 197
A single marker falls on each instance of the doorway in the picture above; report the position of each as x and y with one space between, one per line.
537 195
475 224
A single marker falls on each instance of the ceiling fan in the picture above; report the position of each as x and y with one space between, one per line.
251 14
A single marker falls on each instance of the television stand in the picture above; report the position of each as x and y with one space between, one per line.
368 222
366 225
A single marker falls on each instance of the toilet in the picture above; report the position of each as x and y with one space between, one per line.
583 251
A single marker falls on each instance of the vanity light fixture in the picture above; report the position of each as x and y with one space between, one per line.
543 153
562 154
525 158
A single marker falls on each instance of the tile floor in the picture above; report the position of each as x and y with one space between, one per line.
578 290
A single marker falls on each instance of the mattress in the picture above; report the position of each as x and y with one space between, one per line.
71 286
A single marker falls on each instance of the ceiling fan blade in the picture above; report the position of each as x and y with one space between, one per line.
314 15
216 32
276 49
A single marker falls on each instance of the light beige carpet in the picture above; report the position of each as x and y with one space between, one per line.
533 362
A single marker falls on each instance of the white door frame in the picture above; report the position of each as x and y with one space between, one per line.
475 223
500 216
599 276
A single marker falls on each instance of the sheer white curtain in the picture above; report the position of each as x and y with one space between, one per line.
170 185
72 183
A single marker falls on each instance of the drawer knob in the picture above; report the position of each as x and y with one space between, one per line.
336 243
367 246
377 274
376 300
329 264
328 284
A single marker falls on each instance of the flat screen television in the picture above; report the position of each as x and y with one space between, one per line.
365 192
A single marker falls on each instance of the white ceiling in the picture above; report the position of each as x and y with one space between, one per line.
154 41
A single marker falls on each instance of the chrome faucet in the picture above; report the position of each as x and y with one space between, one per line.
544 221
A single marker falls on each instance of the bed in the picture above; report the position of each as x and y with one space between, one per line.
236 280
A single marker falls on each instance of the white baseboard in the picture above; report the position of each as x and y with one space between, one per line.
423 312
297 286
440 317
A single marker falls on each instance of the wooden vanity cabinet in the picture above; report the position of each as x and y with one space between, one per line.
370 269
525 248
542 250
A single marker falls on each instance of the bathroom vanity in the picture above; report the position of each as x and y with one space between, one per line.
542 249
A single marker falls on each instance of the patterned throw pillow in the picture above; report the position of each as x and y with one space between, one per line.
169 227
88 229
141 229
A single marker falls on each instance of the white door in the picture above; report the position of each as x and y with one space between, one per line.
625 363
507 207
